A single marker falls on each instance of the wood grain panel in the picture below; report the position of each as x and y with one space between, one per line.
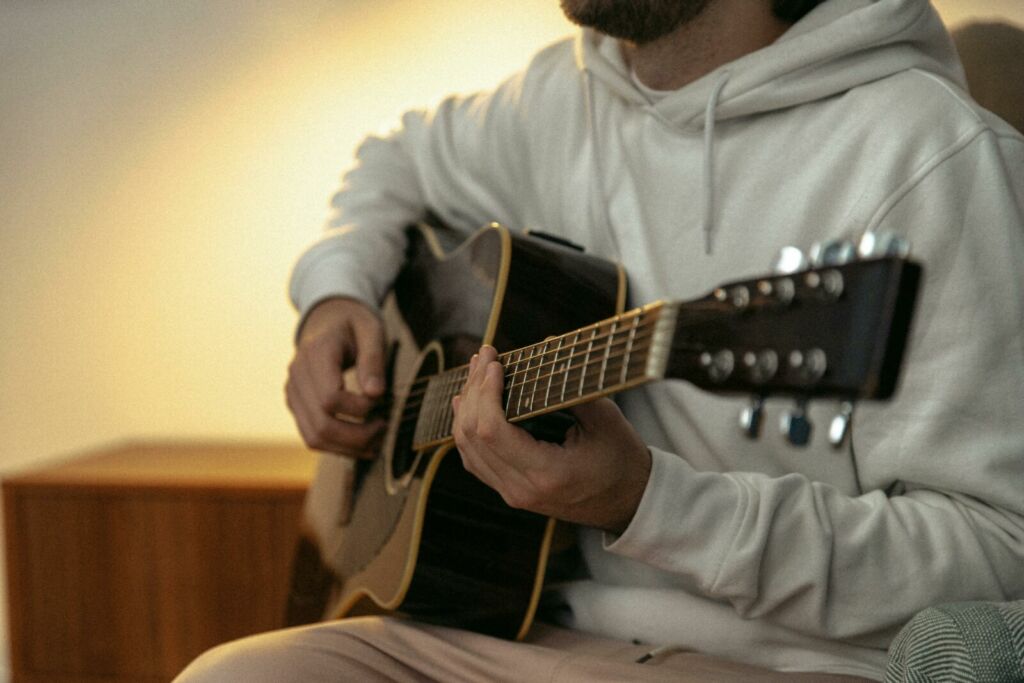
126 565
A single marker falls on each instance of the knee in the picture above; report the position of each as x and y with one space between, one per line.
329 652
254 659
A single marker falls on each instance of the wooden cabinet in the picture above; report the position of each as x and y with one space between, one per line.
125 565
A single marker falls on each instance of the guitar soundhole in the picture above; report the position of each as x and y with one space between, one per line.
403 457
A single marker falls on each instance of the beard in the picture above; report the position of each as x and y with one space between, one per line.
636 21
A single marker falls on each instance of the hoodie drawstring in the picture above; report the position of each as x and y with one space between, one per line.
708 173
708 179
603 200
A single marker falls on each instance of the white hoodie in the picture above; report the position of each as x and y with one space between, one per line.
855 120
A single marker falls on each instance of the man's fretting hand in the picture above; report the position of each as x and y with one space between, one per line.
337 334
596 478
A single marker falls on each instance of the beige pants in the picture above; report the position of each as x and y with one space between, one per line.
383 649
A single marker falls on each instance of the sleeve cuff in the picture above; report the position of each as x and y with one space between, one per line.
686 519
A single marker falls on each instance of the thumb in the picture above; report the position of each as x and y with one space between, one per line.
369 339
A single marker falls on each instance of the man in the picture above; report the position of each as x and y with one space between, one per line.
690 140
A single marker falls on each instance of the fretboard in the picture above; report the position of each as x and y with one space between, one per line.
600 359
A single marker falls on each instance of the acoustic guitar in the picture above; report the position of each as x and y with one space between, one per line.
428 540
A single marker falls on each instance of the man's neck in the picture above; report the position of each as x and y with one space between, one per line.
725 31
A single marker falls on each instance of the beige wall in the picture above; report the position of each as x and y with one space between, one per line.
161 164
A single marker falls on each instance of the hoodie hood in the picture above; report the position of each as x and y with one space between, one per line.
839 45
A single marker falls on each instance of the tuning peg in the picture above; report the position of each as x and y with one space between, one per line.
795 425
840 425
833 253
789 260
751 418
879 244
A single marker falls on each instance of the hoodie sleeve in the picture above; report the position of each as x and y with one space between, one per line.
942 466
462 160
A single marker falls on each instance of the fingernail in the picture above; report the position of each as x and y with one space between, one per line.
495 370
456 400
472 361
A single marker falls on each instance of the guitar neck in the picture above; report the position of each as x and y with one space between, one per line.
607 357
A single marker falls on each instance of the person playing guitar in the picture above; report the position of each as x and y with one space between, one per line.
688 140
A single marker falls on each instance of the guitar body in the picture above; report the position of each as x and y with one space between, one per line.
425 538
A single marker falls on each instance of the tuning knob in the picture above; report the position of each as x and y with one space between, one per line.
833 253
879 244
795 425
789 260
751 418
839 428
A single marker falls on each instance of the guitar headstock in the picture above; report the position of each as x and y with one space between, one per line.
834 330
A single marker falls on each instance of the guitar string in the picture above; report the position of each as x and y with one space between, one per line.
637 349
589 387
451 381
569 350
589 382
694 307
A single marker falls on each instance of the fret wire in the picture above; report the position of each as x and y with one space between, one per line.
551 375
650 314
589 388
522 385
568 372
629 348
517 376
572 354
512 384
536 379
512 368
615 362
607 350
586 360
506 396
591 391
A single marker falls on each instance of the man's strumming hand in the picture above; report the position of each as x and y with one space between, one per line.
337 334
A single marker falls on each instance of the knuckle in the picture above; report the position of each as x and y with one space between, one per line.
467 429
517 498
487 431
546 484
322 431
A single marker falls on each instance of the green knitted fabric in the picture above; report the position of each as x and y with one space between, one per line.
974 642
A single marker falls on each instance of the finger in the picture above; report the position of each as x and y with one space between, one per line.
324 388
319 376
369 341
347 404
510 443
321 430
487 354
348 438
